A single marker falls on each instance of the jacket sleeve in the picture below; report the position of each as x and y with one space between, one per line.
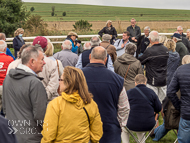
157 104
50 124
101 32
140 70
145 57
38 100
74 48
138 33
114 33
96 127
172 90
53 83
15 44
110 64
79 62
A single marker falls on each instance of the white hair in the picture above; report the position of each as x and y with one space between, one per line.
154 37
3 45
188 30
147 27
177 39
86 46
67 44
180 27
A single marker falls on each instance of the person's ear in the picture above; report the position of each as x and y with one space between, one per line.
105 60
5 50
90 57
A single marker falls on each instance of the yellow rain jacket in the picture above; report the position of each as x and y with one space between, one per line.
66 121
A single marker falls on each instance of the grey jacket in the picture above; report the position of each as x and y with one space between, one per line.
67 57
24 103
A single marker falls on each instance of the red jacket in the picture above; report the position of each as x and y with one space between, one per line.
5 60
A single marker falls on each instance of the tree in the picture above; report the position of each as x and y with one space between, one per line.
64 13
13 15
82 25
36 25
32 9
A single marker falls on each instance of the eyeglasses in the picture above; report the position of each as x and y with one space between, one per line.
60 79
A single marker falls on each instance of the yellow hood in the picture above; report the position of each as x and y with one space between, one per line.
74 98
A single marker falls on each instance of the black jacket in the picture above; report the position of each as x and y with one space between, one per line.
142 44
186 43
134 32
155 58
112 32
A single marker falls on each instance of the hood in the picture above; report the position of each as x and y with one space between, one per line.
173 56
126 59
73 98
19 73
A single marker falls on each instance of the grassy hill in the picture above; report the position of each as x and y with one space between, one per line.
76 12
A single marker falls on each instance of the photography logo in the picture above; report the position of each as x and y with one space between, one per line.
13 130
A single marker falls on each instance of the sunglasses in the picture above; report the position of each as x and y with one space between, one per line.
60 79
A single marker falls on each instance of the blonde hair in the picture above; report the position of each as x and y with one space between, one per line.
75 80
18 31
140 79
49 50
170 44
186 59
109 21
162 39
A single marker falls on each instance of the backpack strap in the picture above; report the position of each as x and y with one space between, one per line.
127 72
143 95
107 46
87 116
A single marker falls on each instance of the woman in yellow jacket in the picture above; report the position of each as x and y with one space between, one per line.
72 117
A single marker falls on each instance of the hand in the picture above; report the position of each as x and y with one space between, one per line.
111 35
133 38
78 44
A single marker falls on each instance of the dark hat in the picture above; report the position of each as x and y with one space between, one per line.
42 41
176 35
106 37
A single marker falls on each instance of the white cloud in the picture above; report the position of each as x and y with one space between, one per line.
161 4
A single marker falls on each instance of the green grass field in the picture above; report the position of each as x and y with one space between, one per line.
102 13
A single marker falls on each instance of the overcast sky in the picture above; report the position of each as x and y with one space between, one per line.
161 4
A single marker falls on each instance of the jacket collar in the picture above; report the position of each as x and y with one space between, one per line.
95 65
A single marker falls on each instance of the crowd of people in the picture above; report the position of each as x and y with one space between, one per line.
97 92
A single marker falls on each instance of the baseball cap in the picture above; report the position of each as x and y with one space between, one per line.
42 41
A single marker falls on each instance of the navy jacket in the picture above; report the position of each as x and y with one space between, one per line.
106 87
181 80
6 131
17 44
173 63
141 116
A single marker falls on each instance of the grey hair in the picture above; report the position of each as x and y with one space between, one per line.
154 36
31 52
99 54
67 44
95 41
186 59
2 36
130 48
162 39
105 40
188 30
87 47
147 27
3 45
180 27
177 39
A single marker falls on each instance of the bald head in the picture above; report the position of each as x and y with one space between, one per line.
3 46
99 53
2 36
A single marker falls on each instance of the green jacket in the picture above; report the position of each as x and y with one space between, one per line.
181 49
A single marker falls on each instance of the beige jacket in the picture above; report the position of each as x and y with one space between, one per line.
51 78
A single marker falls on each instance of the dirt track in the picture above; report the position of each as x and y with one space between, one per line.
156 25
